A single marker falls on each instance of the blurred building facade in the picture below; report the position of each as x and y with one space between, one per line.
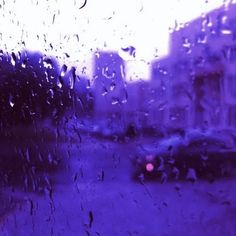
195 85
109 86
199 73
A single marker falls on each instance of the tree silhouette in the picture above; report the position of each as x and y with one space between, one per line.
32 88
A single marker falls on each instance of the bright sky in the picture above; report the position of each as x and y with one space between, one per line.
99 25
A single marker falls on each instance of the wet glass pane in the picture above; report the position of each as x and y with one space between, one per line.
117 117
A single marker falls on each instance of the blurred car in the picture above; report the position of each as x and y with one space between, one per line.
194 154
105 129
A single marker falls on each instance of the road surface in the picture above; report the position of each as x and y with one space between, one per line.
92 193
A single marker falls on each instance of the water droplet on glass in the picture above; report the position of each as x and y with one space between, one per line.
11 102
47 63
104 91
63 70
13 59
59 82
226 31
112 86
51 93
115 101
202 38
24 63
107 74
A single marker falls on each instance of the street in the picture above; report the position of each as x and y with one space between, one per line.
93 193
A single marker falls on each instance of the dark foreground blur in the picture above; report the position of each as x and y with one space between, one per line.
57 182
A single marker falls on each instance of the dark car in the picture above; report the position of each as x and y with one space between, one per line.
196 153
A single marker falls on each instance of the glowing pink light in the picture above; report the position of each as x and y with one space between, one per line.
149 167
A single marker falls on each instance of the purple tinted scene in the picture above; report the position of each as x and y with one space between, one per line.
102 156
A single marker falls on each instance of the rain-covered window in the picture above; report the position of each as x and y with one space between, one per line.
117 117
